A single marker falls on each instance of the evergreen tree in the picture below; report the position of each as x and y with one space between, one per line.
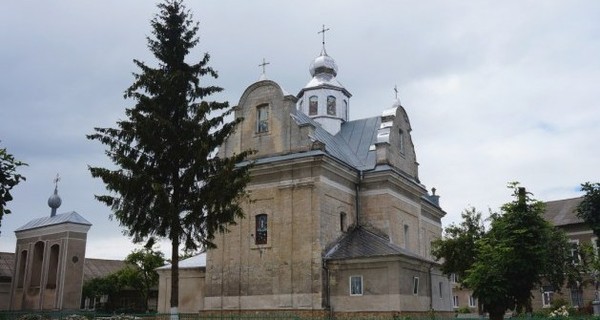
9 178
168 183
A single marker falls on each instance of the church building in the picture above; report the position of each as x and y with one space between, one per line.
339 221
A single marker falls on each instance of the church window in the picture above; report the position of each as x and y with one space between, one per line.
53 267
262 118
36 267
455 301
441 286
356 285
343 222
313 105
22 264
415 285
261 229
401 141
331 105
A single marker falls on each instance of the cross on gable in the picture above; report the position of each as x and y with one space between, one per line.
263 65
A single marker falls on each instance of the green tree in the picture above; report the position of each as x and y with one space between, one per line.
108 286
169 183
9 178
457 247
520 250
140 273
589 208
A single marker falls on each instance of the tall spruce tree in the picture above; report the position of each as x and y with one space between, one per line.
168 183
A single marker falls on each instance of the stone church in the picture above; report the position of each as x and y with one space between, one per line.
340 222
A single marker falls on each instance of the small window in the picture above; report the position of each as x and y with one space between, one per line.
401 140
313 105
472 302
406 236
441 286
331 106
577 297
574 249
415 285
262 119
356 285
547 296
343 222
455 301
453 278
261 229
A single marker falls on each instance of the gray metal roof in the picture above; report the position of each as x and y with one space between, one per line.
351 144
362 243
563 212
69 217
92 268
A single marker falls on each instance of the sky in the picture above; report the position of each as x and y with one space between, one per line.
496 91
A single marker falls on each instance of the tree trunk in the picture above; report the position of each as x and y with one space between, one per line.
496 313
175 277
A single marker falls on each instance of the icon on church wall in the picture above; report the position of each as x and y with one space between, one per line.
331 105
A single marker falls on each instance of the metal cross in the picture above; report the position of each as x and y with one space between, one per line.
396 91
263 65
56 180
323 32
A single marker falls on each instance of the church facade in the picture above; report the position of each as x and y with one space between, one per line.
339 221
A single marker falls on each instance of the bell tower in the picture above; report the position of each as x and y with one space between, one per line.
324 98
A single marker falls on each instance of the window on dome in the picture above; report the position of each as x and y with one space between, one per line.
331 105
261 229
262 118
313 105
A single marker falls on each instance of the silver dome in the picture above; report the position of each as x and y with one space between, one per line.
323 64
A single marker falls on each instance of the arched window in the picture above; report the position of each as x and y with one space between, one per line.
343 222
261 229
313 105
36 267
331 106
53 267
22 264
262 118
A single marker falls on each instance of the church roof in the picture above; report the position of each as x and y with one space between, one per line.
92 268
7 264
362 243
352 144
96 268
197 261
69 217
563 212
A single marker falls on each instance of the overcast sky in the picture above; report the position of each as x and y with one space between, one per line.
496 91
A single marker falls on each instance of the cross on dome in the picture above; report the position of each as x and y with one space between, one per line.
323 30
